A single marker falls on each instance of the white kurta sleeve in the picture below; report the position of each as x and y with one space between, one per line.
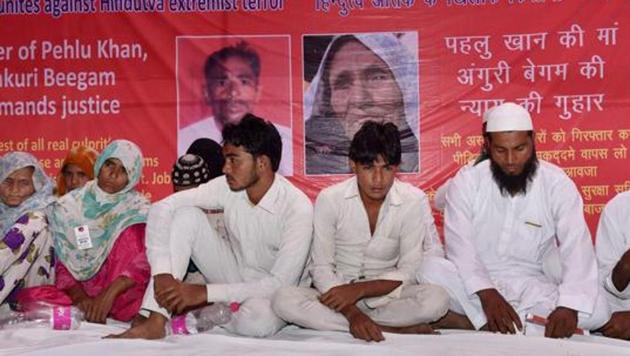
431 245
459 234
578 288
612 242
323 267
439 200
209 195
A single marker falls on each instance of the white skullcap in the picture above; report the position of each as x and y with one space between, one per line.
508 117
484 118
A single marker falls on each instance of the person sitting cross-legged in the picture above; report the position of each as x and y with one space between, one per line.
368 243
269 231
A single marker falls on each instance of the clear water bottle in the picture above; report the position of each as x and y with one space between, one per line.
202 319
215 314
44 315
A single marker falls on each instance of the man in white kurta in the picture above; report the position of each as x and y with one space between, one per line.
266 248
496 238
613 253
346 253
269 233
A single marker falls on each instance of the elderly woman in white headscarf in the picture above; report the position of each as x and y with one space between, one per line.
26 247
361 77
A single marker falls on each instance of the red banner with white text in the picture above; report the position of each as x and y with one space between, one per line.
85 72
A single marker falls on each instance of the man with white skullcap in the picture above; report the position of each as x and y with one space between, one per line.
502 216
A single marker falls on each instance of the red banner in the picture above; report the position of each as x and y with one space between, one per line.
86 72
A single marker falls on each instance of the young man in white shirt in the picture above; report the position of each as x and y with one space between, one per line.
613 254
368 243
269 232
502 216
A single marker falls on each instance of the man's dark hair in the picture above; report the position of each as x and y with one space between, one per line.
257 136
376 139
242 50
211 153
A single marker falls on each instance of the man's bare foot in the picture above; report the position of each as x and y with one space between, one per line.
453 320
137 320
152 328
412 329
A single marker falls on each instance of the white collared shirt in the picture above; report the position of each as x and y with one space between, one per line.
499 241
344 249
270 240
613 240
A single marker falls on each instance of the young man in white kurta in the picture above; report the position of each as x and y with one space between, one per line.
497 241
266 248
345 251
613 253
267 243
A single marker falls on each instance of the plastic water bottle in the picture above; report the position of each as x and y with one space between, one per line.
184 324
44 315
202 319
215 314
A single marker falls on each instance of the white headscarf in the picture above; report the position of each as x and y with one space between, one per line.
400 61
40 199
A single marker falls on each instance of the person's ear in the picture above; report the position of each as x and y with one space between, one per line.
206 93
263 162
486 142
353 166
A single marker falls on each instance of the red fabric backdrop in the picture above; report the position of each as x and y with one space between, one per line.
463 49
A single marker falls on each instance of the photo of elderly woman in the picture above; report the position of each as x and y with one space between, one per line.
359 77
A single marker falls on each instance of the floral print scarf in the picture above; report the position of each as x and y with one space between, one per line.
105 215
